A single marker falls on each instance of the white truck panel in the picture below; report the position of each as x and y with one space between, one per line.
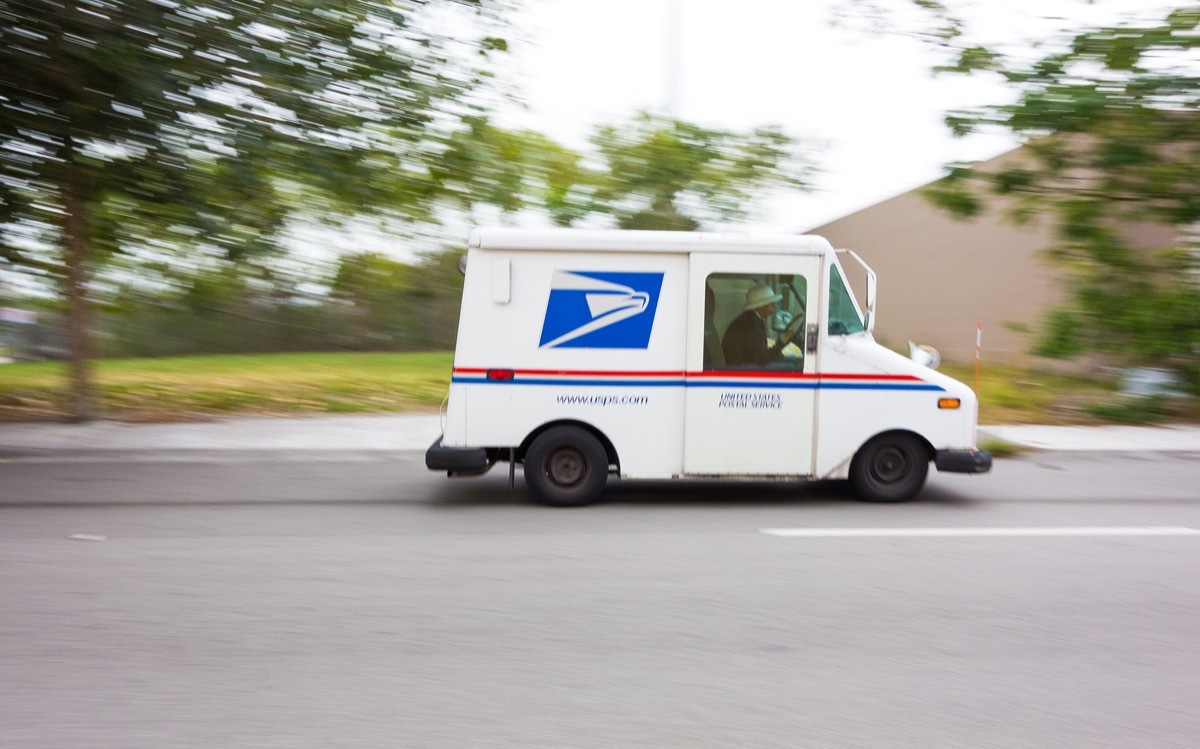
508 335
867 389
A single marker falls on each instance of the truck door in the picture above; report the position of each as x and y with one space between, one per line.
750 403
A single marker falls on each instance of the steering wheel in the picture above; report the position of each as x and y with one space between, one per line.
792 331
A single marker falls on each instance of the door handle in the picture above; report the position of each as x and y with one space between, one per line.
810 338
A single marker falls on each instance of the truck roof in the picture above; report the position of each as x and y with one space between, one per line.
617 240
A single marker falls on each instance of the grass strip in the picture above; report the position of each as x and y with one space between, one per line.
196 387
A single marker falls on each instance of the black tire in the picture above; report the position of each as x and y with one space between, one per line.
566 467
890 468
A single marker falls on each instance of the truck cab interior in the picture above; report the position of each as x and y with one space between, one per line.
726 298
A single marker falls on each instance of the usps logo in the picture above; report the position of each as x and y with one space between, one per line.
600 309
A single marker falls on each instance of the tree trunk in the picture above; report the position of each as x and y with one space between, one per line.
75 239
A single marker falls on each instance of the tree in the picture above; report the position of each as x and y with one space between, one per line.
1111 123
376 291
124 121
652 172
664 173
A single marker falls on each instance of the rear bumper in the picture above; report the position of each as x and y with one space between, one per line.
963 461
456 459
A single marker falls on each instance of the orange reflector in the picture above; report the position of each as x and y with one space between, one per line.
949 403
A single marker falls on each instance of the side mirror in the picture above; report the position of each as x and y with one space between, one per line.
869 313
926 356
868 309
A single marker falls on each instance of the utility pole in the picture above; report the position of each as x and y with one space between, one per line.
673 55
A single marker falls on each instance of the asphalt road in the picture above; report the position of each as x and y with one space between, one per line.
356 600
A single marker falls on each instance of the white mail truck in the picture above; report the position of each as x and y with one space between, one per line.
667 355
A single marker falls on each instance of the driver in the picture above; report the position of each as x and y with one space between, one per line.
745 340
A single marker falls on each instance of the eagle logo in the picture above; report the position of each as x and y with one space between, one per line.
600 309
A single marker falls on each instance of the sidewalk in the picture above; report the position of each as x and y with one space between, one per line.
1175 438
417 431
355 433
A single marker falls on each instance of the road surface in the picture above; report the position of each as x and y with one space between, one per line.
348 599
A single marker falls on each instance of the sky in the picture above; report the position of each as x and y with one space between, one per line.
867 103
870 100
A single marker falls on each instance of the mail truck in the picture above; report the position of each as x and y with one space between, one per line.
671 355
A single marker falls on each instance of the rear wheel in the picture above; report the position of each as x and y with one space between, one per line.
566 467
890 468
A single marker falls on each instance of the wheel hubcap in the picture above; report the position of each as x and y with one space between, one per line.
566 467
890 465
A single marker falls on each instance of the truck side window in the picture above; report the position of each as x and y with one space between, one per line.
752 321
843 313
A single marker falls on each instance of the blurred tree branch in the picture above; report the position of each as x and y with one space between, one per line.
650 172
123 121
1110 118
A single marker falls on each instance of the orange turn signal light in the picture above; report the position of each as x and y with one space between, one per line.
950 403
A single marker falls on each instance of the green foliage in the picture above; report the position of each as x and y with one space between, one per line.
1133 410
1001 448
1014 181
370 279
190 128
954 195
1113 128
663 173
167 389
1060 337
226 309
485 164
1013 395
651 172
439 296
382 304
373 303
185 113
971 59
1140 309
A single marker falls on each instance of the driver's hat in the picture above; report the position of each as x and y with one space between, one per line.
760 296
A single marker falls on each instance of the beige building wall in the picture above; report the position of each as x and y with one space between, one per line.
939 276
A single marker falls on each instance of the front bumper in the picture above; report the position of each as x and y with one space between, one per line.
457 460
963 461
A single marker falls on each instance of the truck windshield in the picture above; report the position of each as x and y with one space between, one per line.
843 312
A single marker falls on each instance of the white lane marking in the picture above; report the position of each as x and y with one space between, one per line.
957 532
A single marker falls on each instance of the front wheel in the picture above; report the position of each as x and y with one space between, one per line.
566 467
890 468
